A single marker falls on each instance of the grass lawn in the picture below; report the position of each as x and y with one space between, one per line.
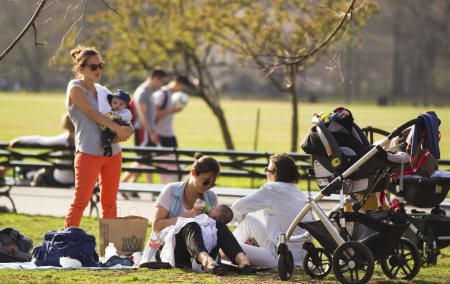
197 128
36 226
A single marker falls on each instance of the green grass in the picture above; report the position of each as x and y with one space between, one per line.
36 226
197 128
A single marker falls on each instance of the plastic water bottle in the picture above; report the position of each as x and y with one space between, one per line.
199 203
110 250
150 250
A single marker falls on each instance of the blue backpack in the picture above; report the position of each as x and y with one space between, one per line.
72 242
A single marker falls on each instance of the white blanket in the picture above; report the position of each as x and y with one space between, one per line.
209 233
102 98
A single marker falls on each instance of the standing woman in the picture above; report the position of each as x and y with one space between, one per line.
281 201
177 201
86 102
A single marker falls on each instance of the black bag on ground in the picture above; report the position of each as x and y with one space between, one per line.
72 242
14 247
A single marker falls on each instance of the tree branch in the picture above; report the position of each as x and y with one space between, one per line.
298 60
35 36
25 29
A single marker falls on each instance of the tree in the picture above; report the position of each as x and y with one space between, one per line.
289 36
179 35
195 36
419 31
32 34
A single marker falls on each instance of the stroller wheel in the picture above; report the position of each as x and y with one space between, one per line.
353 263
317 263
404 262
285 262
428 253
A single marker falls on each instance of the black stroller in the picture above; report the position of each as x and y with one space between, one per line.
421 185
344 162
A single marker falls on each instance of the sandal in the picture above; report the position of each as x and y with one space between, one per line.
115 259
155 265
220 270
246 270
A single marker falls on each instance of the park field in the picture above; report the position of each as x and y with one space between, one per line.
197 128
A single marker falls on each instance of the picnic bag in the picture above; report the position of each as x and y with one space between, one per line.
71 242
127 233
14 247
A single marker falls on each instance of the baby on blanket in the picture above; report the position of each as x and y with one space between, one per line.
207 222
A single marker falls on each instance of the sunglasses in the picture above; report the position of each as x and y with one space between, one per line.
267 170
94 67
207 182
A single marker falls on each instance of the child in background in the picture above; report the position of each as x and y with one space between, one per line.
120 113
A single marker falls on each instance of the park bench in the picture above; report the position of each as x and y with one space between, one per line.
235 164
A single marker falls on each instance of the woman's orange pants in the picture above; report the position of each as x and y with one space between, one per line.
87 169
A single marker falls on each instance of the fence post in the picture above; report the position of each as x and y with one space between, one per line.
255 144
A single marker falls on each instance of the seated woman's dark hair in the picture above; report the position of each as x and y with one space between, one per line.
205 164
284 168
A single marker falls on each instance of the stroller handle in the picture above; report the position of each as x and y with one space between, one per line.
400 129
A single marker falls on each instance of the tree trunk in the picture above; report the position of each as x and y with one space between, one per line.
397 89
218 112
207 90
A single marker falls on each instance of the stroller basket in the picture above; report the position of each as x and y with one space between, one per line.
437 225
424 192
380 237
320 233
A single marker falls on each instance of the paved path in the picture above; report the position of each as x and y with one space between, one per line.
55 202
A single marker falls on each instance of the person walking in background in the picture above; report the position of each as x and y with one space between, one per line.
53 176
280 201
145 112
165 112
86 103
145 120
164 119
177 201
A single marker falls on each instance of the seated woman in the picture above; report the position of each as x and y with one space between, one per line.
281 201
177 200
52 177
